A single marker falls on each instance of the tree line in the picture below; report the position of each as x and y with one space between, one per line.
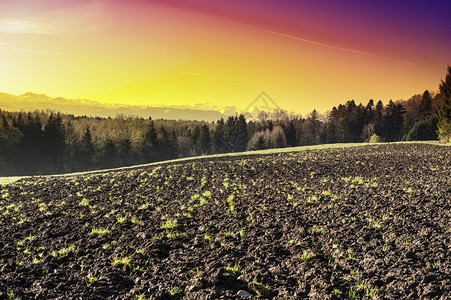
49 143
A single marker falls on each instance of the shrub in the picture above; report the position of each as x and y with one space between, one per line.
423 130
375 139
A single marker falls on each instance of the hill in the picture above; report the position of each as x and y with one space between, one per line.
360 222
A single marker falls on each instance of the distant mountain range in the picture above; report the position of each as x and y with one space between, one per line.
32 102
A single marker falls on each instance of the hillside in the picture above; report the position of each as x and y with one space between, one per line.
358 222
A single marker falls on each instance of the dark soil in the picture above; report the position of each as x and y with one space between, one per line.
365 222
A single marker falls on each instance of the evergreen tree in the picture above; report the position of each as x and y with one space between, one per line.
109 154
196 136
31 145
54 142
205 140
167 144
149 143
444 109
86 150
7 141
393 122
331 126
236 135
425 108
378 119
230 134
369 112
242 135
219 144
313 126
424 130
258 142
172 145
290 134
151 133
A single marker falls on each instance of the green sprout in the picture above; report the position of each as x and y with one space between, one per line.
91 278
63 251
121 219
234 270
208 238
306 255
99 231
123 261
170 224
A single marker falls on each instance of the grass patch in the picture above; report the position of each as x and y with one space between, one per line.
170 224
99 231
127 261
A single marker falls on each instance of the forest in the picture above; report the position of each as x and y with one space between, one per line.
50 142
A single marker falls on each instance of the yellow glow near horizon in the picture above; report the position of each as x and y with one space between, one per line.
149 54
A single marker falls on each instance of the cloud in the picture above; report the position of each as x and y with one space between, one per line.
87 17
62 22
193 74
16 48
22 26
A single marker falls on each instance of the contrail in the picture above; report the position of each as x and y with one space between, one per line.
332 46
305 40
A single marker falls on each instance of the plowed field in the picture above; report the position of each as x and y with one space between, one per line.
361 222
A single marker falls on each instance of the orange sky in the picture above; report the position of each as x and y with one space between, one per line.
187 52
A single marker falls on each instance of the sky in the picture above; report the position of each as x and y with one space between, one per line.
304 54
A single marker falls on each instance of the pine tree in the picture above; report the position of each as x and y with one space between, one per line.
444 109
219 144
195 135
172 145
290 134
393 122
109 154
230 134
204 140
331 126
242 135
54 141
86 152
236 135
149 143
30 147
378 119
425 108
151 133
258 142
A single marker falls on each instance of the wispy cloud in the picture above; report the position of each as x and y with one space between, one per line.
193 74
22 49
22 26
87 17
